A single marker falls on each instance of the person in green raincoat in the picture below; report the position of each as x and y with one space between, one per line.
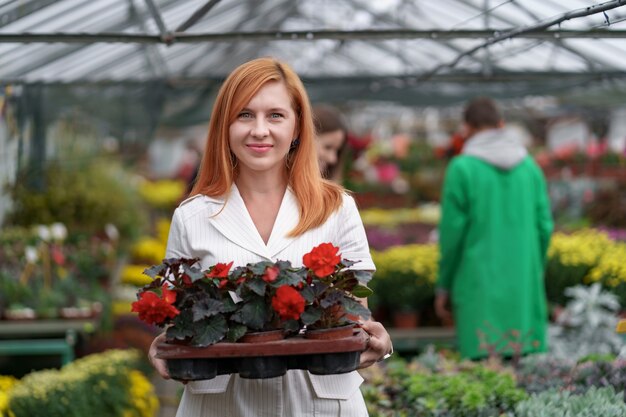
494 234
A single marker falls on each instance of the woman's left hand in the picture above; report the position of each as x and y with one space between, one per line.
379 344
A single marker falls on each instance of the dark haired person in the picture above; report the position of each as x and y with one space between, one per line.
330 140
494 234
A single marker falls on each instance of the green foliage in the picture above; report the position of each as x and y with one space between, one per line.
474 392
85 198
595 402
432 385
97 385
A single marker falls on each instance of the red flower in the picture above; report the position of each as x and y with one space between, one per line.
323 259
271 273
154 309
288 303
57 255
220 270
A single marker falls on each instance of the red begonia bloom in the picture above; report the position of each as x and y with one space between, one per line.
153 309
271 273
220 270
288 303
323 259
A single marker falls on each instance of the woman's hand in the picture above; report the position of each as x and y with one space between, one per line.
158 364
379 344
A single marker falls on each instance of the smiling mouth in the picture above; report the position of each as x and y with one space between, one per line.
259 147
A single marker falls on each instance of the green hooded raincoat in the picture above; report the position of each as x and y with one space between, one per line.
494 234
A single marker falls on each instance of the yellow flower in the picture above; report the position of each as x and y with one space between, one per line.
149 250
421 260
141 393
582 248
6 385
133 275
162 194
611 266
163 230
429 214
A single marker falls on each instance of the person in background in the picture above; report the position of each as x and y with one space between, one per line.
259 196
331 139
494 234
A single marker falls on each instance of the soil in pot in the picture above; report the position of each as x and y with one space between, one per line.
331 333
261 337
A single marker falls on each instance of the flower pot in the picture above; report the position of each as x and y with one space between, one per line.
330 334
24 313
75 312
333 363
405 319
264 360
262 337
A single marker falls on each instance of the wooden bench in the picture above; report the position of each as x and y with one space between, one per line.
413 340
43 337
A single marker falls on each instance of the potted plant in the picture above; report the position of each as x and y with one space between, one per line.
331 292
208 310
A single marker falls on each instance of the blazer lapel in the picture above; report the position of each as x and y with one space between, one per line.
235 223
287 218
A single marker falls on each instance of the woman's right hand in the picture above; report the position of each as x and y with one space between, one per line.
159 364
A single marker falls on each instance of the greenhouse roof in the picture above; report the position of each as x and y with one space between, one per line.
398 50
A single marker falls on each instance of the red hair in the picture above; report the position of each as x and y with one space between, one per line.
317 198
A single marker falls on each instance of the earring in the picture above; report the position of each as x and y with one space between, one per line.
294 144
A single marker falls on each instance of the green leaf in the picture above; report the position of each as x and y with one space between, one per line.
363 276
154 270
209 331
182 328
254 314
362 291
291 326
351 306
193 273
259 267
287 277
236 332
335 297
308 294
310 315
206 307
257 285
228 305
347 263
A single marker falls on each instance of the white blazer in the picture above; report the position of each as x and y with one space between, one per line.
199 229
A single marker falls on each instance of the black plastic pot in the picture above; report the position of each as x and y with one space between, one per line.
261 367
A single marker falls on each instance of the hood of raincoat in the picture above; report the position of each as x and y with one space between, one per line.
502 148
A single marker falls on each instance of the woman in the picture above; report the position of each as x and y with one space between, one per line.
260 196
331 141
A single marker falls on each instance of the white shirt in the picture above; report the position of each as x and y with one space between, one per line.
199 229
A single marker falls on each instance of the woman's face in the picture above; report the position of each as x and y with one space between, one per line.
262 133
328 145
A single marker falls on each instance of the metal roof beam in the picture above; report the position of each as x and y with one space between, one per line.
197 15
156 15
48 59
516 33
23 9
459 77
433 35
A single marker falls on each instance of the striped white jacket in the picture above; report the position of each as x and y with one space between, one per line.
200 230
